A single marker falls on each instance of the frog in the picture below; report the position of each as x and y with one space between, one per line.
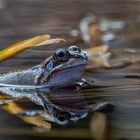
64 68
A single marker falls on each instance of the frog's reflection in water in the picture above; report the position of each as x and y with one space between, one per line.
61 106
65 107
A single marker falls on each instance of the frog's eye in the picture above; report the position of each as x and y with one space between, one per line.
62 117
61 55
74 49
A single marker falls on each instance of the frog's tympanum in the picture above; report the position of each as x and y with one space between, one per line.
64 68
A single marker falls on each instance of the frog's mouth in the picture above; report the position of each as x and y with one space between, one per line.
67 68
70 65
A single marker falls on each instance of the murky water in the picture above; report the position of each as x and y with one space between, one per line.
21 111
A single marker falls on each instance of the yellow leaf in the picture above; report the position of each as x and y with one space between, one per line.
29 43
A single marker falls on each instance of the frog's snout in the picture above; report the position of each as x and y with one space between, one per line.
84 56
77 52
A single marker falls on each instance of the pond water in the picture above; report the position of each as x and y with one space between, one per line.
70 114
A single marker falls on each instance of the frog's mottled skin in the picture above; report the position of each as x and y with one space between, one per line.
64 68
25 77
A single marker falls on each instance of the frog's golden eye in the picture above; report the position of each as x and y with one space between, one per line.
74 49
61 55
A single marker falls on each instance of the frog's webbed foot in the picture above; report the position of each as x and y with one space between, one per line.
85 83
88 82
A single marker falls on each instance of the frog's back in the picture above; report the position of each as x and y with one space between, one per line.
25 77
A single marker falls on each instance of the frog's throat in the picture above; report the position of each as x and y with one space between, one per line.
56 70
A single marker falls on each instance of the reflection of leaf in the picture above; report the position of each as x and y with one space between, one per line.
37 120
23 45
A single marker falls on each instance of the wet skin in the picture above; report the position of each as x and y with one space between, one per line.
63 69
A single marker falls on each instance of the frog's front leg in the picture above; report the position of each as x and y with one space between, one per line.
85 83
39 77
88 82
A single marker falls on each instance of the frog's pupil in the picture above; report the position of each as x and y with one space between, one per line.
61 54
75 49
61 118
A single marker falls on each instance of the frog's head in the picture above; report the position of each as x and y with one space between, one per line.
65 67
